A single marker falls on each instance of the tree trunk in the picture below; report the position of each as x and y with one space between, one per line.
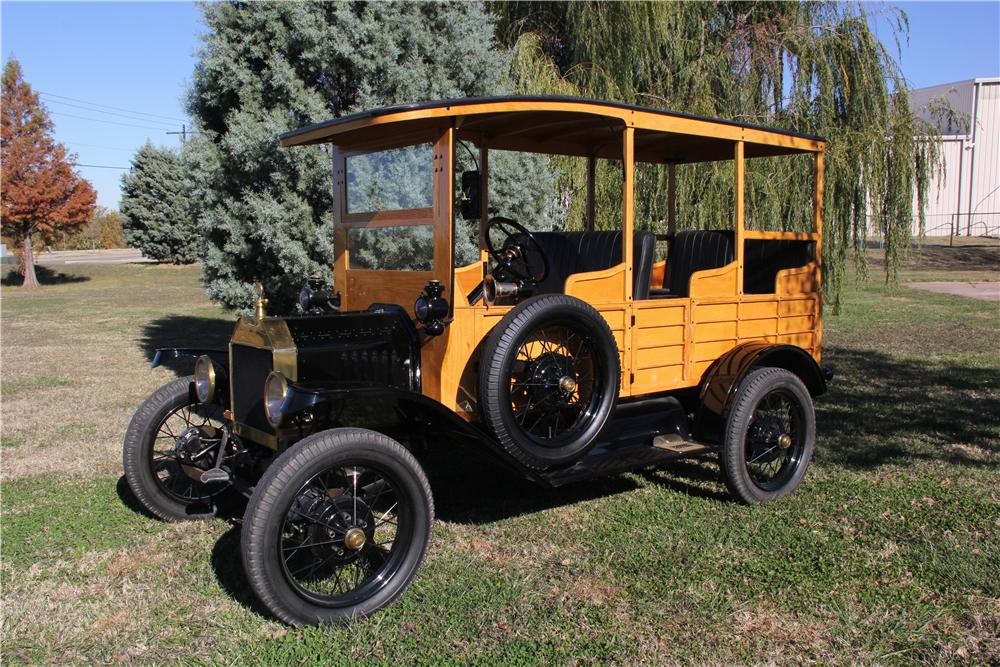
28 263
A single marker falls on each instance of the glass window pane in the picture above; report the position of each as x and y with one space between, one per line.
403 248
390 180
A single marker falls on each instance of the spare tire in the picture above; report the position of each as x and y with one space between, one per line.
548 380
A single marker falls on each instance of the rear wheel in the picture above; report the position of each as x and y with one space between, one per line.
337 528
770 436
549 379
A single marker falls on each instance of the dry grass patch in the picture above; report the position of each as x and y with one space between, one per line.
139 603
78 353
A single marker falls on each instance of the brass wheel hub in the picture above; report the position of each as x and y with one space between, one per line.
784 441
567 384
354 539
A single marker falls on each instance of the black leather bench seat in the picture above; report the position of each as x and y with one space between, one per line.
582 252
690 251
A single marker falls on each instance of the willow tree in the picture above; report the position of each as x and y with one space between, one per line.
812 67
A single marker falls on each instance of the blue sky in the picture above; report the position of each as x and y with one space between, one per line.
137 57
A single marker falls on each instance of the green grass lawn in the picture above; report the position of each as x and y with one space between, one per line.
888 553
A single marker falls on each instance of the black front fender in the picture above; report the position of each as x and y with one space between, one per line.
723 377
317 397
165 354
329 399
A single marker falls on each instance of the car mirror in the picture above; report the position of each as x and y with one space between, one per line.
471 201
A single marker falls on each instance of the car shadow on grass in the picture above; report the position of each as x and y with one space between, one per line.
45 275
185 331
884 410
471 487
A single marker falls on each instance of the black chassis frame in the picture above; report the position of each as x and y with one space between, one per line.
693 418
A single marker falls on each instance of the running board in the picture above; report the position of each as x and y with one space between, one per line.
620 460
676 444
640 435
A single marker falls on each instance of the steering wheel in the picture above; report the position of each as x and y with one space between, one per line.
515 253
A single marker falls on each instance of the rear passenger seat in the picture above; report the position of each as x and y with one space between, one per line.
690 251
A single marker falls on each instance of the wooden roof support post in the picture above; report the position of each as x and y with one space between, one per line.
591 194
818 214
740 214
340 249
671 199
484 197
628 205
444 206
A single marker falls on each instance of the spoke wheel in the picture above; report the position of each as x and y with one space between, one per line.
553 384
774 440
338 538
548 380
337 527
177 458
170 440
770 436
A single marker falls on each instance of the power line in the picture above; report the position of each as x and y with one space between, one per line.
110 148
109 122
109 113
107 106
97 166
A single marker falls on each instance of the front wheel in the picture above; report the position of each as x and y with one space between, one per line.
337 528
770 436
170 441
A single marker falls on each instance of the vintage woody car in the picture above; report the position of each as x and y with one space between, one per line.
567 354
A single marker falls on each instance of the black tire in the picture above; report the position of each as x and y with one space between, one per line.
158 483
758 463
503 390
286 501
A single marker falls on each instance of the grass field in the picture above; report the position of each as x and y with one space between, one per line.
888 553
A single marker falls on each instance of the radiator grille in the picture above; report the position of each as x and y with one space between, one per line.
374 365
249 368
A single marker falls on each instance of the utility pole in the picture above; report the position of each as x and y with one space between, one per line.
183 133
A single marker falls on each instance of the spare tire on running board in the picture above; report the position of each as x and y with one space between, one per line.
548 380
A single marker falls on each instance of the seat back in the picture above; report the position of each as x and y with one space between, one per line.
643 252
696 250
764 258
581 252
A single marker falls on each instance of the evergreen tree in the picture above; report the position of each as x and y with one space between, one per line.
159 217
266 68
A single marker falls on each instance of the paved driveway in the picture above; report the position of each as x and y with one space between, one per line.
986 291
60 257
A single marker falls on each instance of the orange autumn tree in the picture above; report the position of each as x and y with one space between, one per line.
40 194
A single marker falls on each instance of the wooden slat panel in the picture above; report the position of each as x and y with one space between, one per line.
658 336
698 369
715 331
654 379
659 317
796 307
659 356
757 328
751 310
803 340
792 324
712 350
615 318
714 312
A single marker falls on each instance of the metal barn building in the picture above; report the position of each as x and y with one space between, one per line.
965 201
